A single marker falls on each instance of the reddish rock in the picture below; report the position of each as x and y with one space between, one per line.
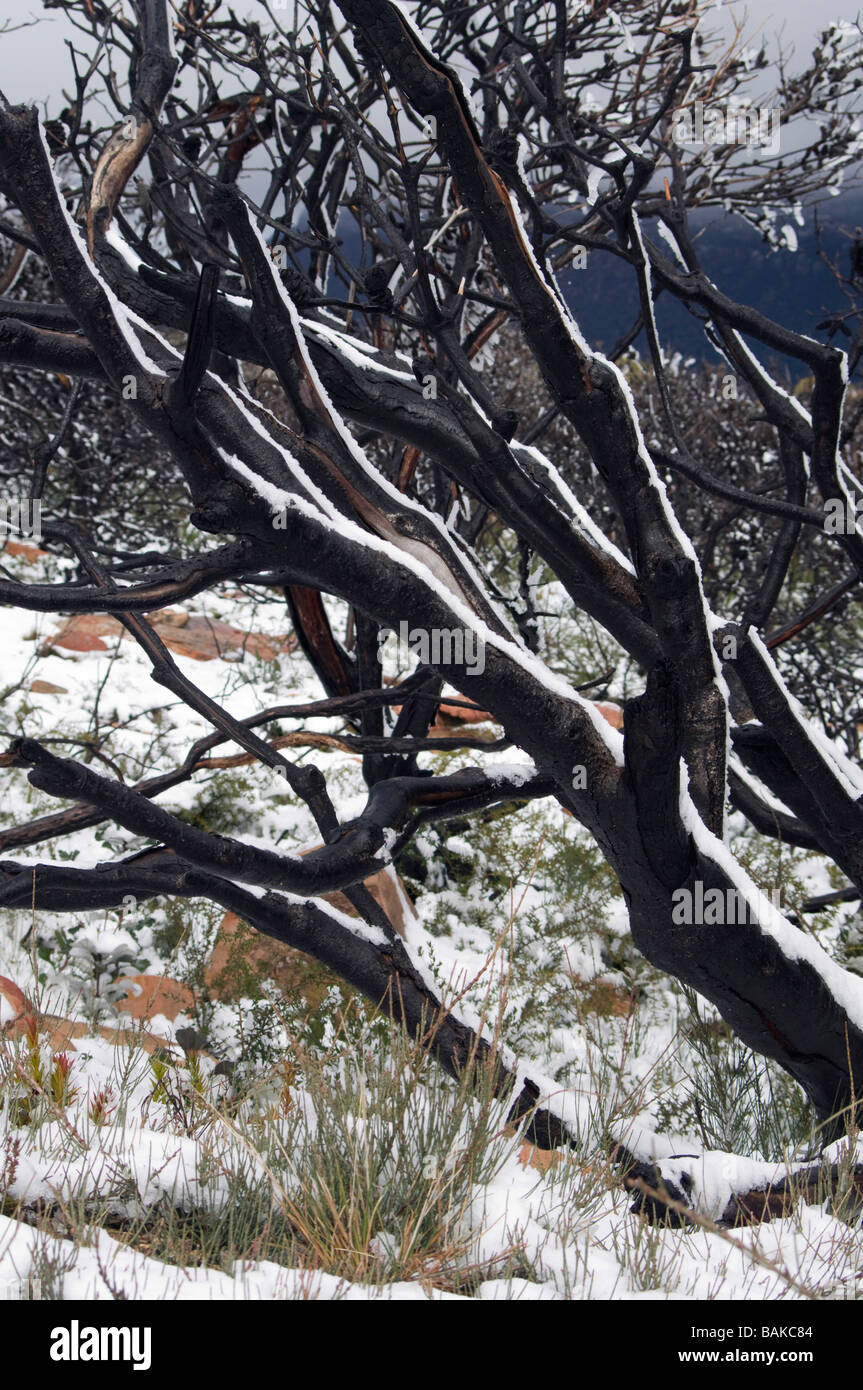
204 638
458 714
84 633
21 550
529 1156
194 636
604 998
62 1032
450 729
158 995
613 713
19 1002
241 956
451 716
46 688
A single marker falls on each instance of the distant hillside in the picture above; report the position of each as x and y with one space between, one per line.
795 288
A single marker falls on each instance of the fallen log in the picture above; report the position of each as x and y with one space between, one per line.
668 1193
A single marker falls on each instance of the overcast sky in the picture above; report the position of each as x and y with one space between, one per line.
34 62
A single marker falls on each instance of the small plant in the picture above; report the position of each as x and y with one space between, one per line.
60 1086
90 967
102 1105
34 1064
288 1073
195 1072
9 1165
159 1068
181 1087
740 1102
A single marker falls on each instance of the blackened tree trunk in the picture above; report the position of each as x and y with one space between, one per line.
471 208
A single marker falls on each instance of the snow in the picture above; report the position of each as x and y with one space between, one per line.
457 560
364 931
517 773
566 1231
645 273
279 500
123 316
580 516
568 1238
771 384
595 176
588 354
98 1270
794 944
849 776
671 240
759 788
361 354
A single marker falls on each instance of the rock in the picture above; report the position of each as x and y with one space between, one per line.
191 1040
450 729
191 635
158 995
17 1001
205 638
529 1156
458 714
451 717
61 1032
22 551
612 713
241 957
389 893
84 633
603 997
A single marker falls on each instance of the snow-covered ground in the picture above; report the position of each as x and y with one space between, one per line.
114 1156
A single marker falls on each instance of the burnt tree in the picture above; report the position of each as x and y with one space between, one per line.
478 155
